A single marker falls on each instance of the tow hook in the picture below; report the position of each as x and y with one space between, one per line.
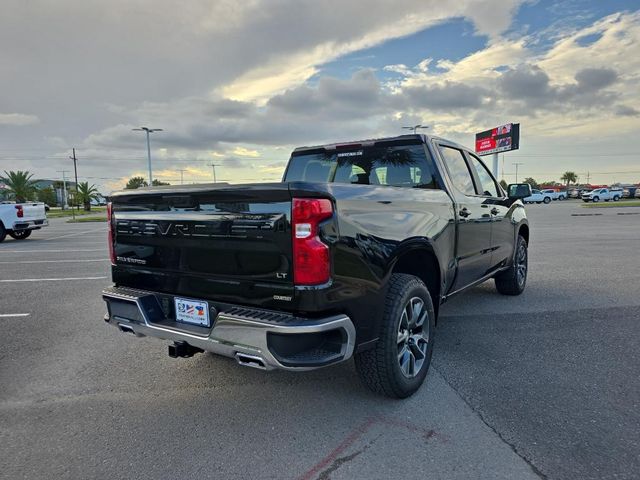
183 350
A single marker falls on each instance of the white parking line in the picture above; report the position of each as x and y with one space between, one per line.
58 261
51 279
53 251
10 315
76 234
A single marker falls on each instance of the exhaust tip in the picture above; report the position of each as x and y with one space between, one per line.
252 361
126 328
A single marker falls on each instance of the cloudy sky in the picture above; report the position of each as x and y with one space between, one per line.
240 83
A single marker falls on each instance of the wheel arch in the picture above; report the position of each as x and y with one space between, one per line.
419 259
523 230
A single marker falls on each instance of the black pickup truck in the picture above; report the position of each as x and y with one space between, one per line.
351 255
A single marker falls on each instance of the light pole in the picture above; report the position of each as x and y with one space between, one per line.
213 166
148 131
415 127
75 169
517 165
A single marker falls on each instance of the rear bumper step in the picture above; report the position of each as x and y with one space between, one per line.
255 338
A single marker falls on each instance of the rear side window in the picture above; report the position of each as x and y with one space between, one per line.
488 185
394 165
458 169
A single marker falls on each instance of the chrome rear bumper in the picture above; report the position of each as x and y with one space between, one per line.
30 224
258 338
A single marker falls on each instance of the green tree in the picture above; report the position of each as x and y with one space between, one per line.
569 177
20 185
531 182
136 182
85 194
47 195
158 183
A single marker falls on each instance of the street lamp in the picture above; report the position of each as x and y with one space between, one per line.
415 127
213 166
148 131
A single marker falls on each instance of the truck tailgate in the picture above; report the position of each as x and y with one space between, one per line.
33 211
224 243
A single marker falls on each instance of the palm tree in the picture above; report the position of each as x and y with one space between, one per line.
569 177
136 182
19 184
85 194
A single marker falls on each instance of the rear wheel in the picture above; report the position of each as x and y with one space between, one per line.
3 232
398 364
616 198
20 234
514 280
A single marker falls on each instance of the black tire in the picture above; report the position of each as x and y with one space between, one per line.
514 280
595 199
616 198
20 235
386 368
3 232
547 200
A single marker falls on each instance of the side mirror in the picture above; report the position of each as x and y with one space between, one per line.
518 191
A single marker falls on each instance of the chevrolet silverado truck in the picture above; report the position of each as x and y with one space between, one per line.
605 194
350 256
18 220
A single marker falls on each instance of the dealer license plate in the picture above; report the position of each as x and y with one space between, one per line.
192 311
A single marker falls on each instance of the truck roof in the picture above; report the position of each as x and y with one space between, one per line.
372 141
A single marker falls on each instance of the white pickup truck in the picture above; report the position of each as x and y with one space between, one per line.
602 194
18 220
555 195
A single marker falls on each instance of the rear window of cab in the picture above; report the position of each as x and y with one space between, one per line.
407 166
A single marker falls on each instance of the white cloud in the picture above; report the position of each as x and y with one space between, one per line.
18 119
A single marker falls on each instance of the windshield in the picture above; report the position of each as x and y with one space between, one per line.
394 165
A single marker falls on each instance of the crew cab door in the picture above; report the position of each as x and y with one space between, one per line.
473 219
502 230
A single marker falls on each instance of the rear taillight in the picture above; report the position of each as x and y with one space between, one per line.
20 211
112 254
311 262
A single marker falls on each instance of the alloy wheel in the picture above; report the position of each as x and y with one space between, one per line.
521 264
413 337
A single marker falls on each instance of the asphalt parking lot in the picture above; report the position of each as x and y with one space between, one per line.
545 385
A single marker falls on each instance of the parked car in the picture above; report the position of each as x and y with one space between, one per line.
600 194
555 195
18 220
537 197
629 192
352 254
637 194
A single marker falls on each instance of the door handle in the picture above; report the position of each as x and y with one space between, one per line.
494 211
464 212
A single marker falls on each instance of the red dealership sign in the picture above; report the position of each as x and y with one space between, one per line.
500 139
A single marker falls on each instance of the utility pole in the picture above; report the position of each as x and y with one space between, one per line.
181 175
517 165
75 169
213 166
415 127
148 131
588 178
